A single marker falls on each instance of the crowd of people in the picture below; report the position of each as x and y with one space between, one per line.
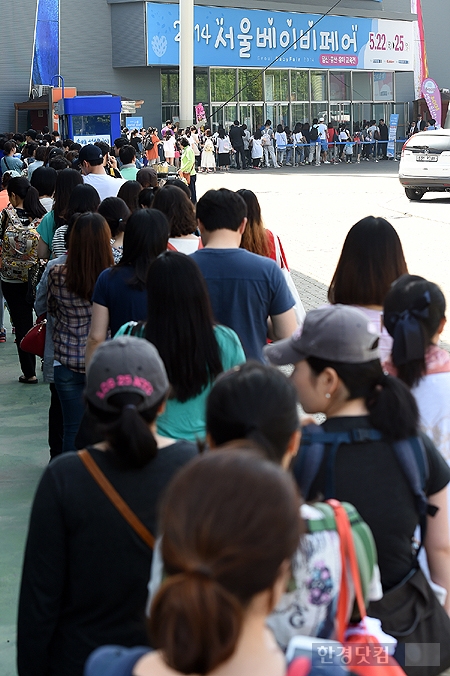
190 520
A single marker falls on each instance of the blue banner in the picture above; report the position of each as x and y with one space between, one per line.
254 38
393 124
134 123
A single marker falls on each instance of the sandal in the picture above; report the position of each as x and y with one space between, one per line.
28 381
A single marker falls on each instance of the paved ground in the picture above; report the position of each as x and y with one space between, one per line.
311 208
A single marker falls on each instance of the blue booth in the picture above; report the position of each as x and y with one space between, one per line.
88 119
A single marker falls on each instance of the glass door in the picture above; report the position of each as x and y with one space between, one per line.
251 114
277 113
340 113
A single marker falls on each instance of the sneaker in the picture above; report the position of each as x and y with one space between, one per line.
288 164
3 336
326 162
317 164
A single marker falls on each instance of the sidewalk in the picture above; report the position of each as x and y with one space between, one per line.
24 454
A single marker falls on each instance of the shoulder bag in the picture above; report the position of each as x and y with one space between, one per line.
34 340
118 502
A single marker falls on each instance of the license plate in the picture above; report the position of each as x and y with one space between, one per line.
427 158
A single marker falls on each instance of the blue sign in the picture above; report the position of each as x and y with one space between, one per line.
254 38
134 123
393 125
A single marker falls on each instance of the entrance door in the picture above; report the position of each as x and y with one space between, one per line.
340 113
277 113
251 114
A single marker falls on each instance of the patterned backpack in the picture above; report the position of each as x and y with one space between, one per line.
19 246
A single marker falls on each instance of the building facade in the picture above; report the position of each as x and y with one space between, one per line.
264 59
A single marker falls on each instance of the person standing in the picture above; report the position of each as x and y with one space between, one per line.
90 160
267 144
384 137
187 167
323 147
237 134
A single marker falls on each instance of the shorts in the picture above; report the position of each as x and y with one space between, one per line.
324 145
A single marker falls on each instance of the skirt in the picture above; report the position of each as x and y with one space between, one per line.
224 159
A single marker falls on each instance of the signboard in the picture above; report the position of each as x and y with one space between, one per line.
393 125
433 99
254 38
85 140
134 123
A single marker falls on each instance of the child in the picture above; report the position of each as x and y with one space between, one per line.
348 149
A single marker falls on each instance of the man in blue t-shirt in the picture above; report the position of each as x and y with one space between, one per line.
248 292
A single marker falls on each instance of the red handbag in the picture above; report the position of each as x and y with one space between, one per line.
366 657
34 340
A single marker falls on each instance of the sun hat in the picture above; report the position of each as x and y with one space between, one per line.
126 364
338 333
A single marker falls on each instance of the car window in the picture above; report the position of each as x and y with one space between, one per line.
432 142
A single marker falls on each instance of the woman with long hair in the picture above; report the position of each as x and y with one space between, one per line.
260 240
120 293
19 254
69 301
414 315
227 562
85 571
371 444
66 181
193 348
116 213
129 193
84 198
371 259
180 213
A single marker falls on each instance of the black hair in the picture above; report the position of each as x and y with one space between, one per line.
127 154
145 237
221 209
119 142
21 187
178 208
146 197
392 408
178 183
180 324
59 163
253 402
127 432
44 180
129 193
280 128
413 310
116 213
104 147
83 198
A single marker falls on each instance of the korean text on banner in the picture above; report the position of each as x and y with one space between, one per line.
393 125
433 99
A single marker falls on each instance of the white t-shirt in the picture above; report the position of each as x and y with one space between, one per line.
257 150
105 185
322 129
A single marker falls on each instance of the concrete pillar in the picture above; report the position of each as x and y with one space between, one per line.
186 62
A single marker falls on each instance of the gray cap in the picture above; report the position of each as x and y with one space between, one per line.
126 364
338 333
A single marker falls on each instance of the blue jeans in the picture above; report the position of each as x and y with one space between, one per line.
70 386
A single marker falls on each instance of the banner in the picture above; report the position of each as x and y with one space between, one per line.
254 38
393 125
200 113
134 123
433 99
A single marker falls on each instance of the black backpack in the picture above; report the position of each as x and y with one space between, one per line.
314 133
148 145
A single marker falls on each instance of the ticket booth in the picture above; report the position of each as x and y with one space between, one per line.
88 119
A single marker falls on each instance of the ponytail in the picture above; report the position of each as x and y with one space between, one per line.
195 622
127 431
392 408
32 204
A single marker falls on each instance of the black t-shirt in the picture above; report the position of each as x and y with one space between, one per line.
368 475
86 571
236 136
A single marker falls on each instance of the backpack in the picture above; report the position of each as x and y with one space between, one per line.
314 133
19 250
410 454
148 145
227 145
376 134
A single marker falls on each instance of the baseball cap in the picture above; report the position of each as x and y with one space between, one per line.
55 152
126 364
88 153
338 333
320 119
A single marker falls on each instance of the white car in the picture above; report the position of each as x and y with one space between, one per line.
425 163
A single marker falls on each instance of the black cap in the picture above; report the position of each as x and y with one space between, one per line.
88 153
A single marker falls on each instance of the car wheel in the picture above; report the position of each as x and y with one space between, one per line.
414 194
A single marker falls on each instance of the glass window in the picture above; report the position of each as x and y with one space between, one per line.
299 85
91 125
319 110
435 142
362 86
319 89
340 88
278 113
223 84
277 85
170 87
252 83
201 86
171 113
300 113
383 86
